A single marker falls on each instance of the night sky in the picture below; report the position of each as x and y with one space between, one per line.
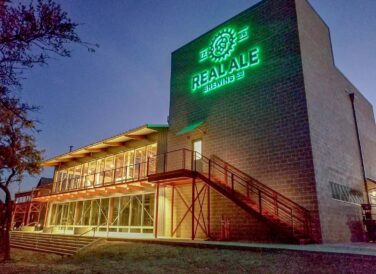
125 84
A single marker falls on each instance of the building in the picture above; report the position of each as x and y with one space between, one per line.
26 210
266 141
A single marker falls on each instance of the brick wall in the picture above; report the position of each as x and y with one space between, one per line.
289 123
332 128
259 124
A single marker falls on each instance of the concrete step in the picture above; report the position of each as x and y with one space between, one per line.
46 247
53 239
52 236
46 250
70 245
41 242
51 243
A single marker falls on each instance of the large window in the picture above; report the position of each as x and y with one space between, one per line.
124 211
109 168
129 165
77 176
63 182
119 168
131 214
346 194
99 172
86 213
71 210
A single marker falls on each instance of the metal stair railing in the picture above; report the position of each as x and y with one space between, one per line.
93 229
277 204
256 195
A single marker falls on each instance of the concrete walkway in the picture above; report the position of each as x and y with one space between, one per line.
363 249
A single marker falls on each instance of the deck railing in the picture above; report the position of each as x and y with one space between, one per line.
125 174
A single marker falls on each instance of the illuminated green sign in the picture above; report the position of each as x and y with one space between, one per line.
225 70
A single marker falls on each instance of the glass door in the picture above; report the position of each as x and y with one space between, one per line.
197 154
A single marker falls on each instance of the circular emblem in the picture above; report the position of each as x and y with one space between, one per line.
222 45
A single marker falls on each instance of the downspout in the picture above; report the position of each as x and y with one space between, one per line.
352 98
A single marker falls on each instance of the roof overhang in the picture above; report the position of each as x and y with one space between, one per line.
139 133
191 127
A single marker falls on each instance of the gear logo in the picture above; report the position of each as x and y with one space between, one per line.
222 45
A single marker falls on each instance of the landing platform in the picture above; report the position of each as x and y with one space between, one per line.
359 249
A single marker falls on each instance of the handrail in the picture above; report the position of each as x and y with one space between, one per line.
259 186
272 199
92 229
249 179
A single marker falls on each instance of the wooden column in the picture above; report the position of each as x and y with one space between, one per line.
172 210
156 213
110 213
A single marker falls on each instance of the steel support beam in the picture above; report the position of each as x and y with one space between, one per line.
193 207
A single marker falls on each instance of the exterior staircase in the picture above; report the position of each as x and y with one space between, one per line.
65 245
284 216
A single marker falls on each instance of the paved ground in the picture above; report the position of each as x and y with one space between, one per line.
368 249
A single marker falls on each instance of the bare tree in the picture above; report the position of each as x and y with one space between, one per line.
29 35
18 154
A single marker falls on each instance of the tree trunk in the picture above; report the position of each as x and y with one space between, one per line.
2 224
5 242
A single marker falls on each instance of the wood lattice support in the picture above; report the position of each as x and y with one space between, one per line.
36 210
23 213
19 213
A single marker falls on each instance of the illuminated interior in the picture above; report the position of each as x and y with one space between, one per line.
118 168
125 214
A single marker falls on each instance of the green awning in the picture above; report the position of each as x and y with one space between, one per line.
190 128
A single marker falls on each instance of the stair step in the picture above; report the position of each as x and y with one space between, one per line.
58 252
48 234
73 245
56 240
45 247
53 236
45 243
51 243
